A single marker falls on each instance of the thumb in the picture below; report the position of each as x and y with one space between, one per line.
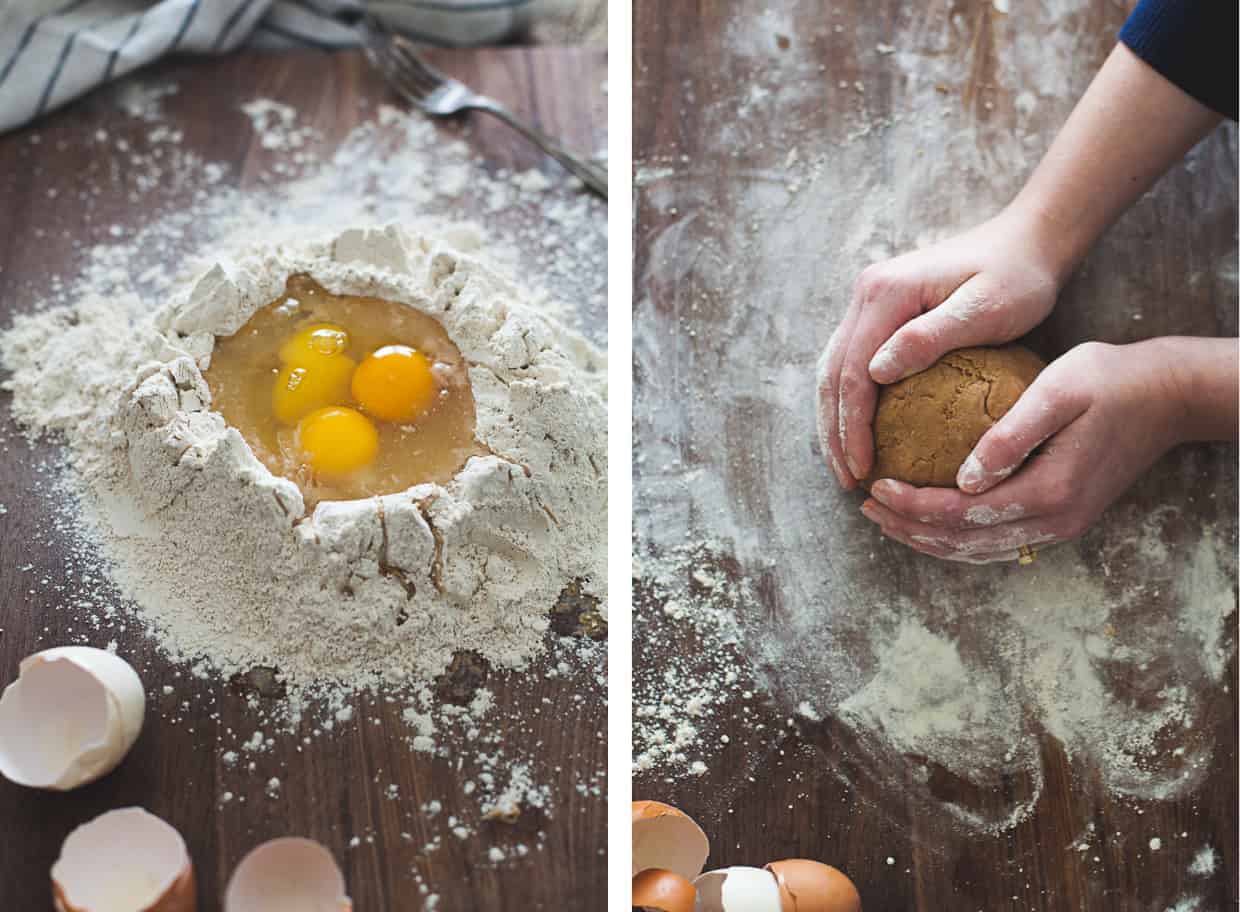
976 313
1044 409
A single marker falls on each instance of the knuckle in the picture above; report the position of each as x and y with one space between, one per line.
948 515
1092 353
845 383
926 514
1058 394
874 281
1002 450
983 301
854 386
867 276
915 336
1056 383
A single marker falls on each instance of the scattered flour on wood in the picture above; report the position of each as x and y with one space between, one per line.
1117 646
163 513
1205 862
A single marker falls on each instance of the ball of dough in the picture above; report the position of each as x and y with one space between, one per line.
927 424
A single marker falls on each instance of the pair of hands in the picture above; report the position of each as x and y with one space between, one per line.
1101 414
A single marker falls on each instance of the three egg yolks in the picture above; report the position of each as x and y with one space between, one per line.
316 379
347 396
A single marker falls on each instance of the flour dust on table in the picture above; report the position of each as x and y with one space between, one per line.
442 596
1116 646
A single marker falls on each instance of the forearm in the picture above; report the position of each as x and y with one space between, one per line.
1130 127
1205 382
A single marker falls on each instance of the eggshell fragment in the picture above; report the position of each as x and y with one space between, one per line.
667 838
69 718
663 891
287 875
815 887
124 861
740 889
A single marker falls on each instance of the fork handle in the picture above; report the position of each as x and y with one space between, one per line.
591 175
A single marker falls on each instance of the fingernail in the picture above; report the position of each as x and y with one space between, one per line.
971 474
883 491
852 466
867 510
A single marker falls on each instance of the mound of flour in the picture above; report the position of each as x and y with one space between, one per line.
222 557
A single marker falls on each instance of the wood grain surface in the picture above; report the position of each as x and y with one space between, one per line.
333 789
736 103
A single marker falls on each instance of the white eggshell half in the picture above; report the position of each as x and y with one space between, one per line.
126 860
738 889
69 718
287 875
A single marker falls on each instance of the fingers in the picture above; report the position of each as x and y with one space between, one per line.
828 401
983 545
1046 490
976 313
948 509
1050 404
884 302
1048 501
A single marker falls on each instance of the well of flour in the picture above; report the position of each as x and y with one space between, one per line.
223 558
223 555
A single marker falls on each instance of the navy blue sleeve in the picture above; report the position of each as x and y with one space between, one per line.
1192 43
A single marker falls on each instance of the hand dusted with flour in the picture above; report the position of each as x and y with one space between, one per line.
385 587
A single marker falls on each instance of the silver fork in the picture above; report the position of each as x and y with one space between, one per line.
442 96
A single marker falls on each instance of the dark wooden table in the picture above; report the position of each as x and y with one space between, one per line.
332 788
917 121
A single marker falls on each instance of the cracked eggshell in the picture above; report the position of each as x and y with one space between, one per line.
741 889
289 874
69 718
815 887
126 860
663 891
665 837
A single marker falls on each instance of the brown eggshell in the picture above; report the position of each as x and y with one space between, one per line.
811 886
666 838
130 844
663 891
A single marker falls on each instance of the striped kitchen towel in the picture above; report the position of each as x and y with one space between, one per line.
52 51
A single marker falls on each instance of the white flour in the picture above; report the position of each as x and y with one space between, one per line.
681 696
1205 862
112 313
1116 646
220 554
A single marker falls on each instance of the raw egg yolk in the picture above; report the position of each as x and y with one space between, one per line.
394 384
337 440
317 339
312 383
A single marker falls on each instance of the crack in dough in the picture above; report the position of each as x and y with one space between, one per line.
927 424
